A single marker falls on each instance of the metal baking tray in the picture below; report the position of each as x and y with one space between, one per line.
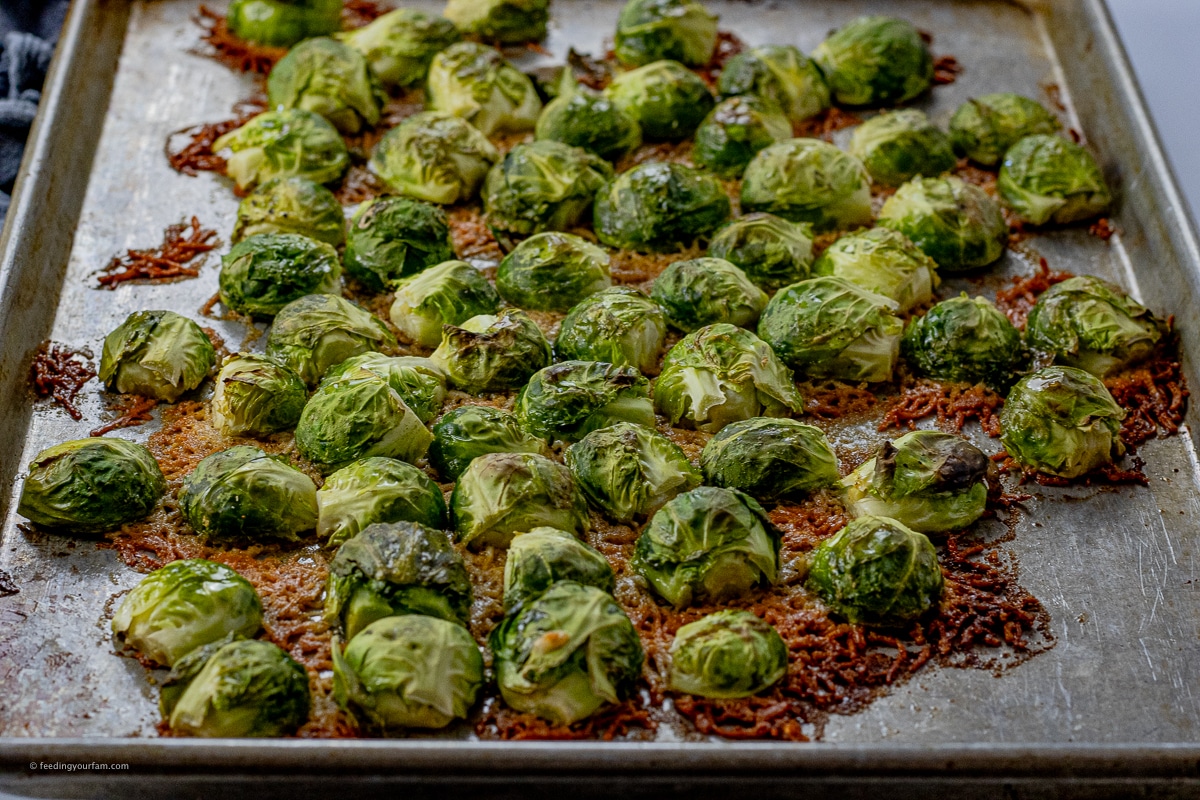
1116 701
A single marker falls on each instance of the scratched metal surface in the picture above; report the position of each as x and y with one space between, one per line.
1116 569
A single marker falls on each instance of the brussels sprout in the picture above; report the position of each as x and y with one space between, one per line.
652 30
567 653
875 61
314 333
357 415
704 291
583 117
928 480
899 145
541 558
264 273
659 206
1089 323
255 396
542 186
777 73
420 383
728 654
734 131
1062 421
721 374
185 605
157 354
769 458
282 23
503 21
244 493
283 143
376 490
501 495
492 353
434 157
831 328
408 672
956 223
983 128
876 571
882 261
448 294
630 471
476 83
570 399
236 689
400 44
964 339
667 99
470 431
808 180
291 205
393 568
1045 179
710 544
328 78
394 237
771 251
619 325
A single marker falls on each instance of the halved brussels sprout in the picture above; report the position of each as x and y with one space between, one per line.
721 374
543 186
376 490
734 131
400 44
630 471
314 333
255 396
659 206
666 98
502 495
329 78
583 117
777 73
808 180
956 223
492 353
503 21
448 294
964 339
769 458
875 61
394 237
770 250
408 672
570 399
930 481
282 23
552 271
876 571
1045 178
283 143
470 431
264 273
619 325
710 544
651 30
394 568
185 605
704 291
728 654
291 205
1062 421
541 558
983 128
567 653
831 328
1089 323
882 261
474 82
420 383
91 485
899 145
435 157
157 354
244 493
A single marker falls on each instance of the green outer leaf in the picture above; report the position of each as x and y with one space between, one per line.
318 331
983 128
769 458
291 204
492 353
651 30
282 143
659 206
619 325
552 271
395 237
734 131
503 21
502 495
420 383
1046 179
570 399
808 180
586 118
279 23
542 186
882 261
329 78
778 73
666 98
264 273
770 250
470 431
705 291
544 556
899 145
875 61
157 354
435 157
375 490
400 44
956 223
255 396
964 339
447 294
476 83
728 654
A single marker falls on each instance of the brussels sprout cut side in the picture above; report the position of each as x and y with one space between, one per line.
619 325
779 74
570 399
255 396
400 44
882 261
1046 179
983 128
318 331
283 143
770 250
583 117
667 99
281 23
470 431
477 84
543 186
659 206
157 354
502 495
964 339
503 21
652 30
735 131
898 145
956 223
264 273
808 180
291 205
394 237
770 458
447 294
728 654
552 272
329 78
875 61
375 490
705 291
434 156
420 383
541 558
492 353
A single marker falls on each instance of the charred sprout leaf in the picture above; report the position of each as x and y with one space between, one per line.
503 21
394 237
552 272
1045 179
875 61
282 23
964 339
470 431
502 495
376 490
983 128
447 294
400 44
570 399
264 273
619 325
734 131
243 493
659 206
956 223
543 186
314 333
770 250
899 145
283 143
492 353
474 82
157 354
329 78
291 205
435 157
779 74
255 396
728 654
667 99
651 30
567 653
769 458
583 117
1062 421
704 291
882 261
541 558
420 383
91 485
808 180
